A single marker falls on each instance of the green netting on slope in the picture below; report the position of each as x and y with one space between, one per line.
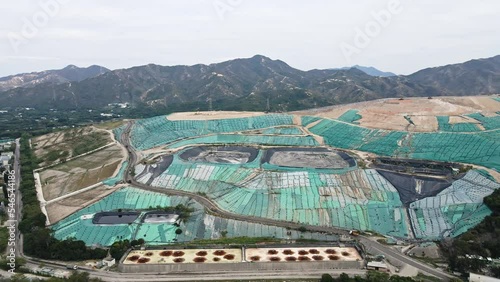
283 131
157 131
350 116
306 120
211 227
248 140
126 199
156 234
385 143
485 174
480 212
444 125
118 131
346 136
482 148
342 135
488 123
496 99
301 196
453 210
119 177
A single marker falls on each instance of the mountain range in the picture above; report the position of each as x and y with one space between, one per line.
240 84
370 71
70 73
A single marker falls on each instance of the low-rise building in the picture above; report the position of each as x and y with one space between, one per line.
378 266
481 278
109 262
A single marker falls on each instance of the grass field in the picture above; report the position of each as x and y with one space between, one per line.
110 125
65 207
80 173
62 145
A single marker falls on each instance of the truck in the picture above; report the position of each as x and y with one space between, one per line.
72 266
354 233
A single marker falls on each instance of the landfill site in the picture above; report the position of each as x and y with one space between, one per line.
331 168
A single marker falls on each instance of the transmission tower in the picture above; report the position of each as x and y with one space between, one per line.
210 104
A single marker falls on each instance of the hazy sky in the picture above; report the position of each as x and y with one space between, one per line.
406 36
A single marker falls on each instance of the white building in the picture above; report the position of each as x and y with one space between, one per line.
109 262
481 278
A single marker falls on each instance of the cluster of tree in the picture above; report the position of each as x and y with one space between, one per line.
42 120
75 277
481 241
32 217
371 276
38 240
119 248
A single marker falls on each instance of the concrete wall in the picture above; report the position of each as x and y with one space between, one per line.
244 266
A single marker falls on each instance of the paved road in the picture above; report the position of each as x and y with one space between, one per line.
395 255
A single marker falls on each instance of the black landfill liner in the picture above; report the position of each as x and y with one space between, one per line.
112 218
406 185
162 165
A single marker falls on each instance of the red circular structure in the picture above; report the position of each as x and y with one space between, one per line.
318 258
303 252
216 259
290 258
178 260
345 254
288 252
143 260
330 251
303 258
166 253
219 253
314 251
178 254
275 259
149 254
229 257
332 257
199 259
272 252
133 258
201 253
255 258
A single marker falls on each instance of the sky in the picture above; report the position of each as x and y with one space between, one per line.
401 36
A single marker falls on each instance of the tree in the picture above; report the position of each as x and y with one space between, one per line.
118 249
82 277
344 278
375 276
326 278
178 231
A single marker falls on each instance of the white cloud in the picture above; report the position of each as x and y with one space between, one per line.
305 34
